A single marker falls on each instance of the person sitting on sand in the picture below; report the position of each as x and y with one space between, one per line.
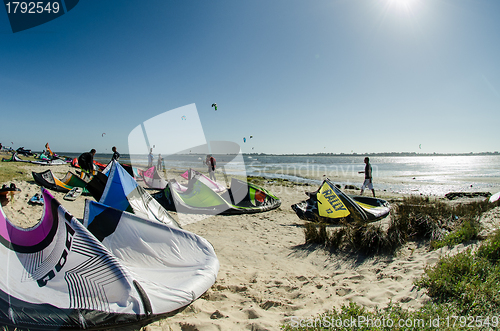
86 162
368 177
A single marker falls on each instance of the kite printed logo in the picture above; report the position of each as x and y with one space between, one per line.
330 203
70 232
25 15
334 200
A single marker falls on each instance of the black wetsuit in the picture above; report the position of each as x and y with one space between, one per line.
86 162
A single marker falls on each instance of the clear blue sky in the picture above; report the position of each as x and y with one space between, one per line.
300 76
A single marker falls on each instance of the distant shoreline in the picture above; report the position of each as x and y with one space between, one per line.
384 154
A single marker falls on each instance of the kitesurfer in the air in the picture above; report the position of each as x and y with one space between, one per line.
210 162
368 177
86 162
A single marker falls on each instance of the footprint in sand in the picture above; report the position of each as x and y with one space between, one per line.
343 291
251 314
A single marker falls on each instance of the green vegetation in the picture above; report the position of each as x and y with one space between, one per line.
10 171
415 218
464 288
470 279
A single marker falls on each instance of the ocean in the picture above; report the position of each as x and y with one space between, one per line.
427 175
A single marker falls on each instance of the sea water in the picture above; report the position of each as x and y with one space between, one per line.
417 174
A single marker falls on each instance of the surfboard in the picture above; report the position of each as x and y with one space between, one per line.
74 193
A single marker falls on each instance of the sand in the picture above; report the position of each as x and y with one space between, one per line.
267 275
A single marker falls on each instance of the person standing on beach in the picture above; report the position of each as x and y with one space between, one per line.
116 155
86 162
368 177
150 158
210 162
158 164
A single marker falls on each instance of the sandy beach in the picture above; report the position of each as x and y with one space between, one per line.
267 275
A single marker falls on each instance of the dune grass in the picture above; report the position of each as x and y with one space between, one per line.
464 291
415 218
464 288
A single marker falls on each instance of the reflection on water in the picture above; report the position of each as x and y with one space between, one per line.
429 175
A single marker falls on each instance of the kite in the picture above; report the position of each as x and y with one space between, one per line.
330 204
103 134
244 139
183 118
214 105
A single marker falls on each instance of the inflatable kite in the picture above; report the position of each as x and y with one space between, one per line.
330 204
153 179
122 271
48 180
120 190
198 198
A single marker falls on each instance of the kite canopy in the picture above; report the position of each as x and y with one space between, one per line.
191 173
152 179
330 204
121 191
13 158
97 165
58 275
48 180
50 162
173 266
16 158
198 198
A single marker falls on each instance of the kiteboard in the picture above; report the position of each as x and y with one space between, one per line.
74 193
495 197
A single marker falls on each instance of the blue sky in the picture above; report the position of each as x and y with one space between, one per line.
299 76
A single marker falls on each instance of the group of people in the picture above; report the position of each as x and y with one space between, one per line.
159 163
86 162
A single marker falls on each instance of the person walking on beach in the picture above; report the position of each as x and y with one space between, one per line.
116 155
368 177
150 158
86 162
210 162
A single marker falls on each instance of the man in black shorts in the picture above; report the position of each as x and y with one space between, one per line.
368 177
86 162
